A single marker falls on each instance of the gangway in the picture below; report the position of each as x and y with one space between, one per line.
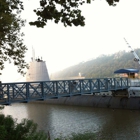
42 90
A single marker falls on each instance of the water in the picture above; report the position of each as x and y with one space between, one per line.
107 124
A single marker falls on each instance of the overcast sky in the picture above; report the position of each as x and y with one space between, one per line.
60 46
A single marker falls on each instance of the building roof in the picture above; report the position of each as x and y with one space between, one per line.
127 71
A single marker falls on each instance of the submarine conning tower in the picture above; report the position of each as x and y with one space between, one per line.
37 70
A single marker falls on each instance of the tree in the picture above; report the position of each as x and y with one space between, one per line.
65 11
12 48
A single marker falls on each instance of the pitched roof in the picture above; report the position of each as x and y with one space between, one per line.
127 71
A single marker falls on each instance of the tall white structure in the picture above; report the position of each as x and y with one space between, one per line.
37 70
137 59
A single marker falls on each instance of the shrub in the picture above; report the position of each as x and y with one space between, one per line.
26 130
79 136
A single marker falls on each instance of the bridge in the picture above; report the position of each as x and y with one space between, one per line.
32 91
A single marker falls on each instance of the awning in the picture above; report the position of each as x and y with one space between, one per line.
127 71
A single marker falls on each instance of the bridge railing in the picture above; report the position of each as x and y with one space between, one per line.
41 90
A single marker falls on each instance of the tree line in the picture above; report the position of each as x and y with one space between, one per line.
102 66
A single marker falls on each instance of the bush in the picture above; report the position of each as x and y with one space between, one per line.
79 136
26 130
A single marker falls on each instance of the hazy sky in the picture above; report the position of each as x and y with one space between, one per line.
60 46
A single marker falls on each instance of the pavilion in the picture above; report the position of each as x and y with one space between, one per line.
131 73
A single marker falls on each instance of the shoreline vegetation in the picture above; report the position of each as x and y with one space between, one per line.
28 130
100 67
79 136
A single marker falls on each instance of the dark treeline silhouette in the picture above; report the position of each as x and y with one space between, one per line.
102 66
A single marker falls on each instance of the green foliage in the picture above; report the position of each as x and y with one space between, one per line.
65 11
11 42
12 47
26 130
1 107
79 136
103 66
112 2
68 14
84 136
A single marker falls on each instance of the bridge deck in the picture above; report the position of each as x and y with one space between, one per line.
31 91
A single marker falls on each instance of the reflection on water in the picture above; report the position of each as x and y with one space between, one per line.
108 124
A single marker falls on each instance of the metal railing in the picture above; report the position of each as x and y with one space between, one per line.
134 82
42 90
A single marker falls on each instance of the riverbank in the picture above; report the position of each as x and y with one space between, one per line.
97 101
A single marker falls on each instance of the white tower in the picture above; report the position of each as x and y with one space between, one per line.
37 70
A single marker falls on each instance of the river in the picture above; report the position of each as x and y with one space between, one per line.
107 124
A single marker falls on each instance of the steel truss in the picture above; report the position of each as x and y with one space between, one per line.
32 91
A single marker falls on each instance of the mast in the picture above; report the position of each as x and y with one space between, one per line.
136 59
33 54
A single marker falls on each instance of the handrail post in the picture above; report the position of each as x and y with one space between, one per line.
80 83
42 90
90 85
98 84
8 95
114 84
1 90
54 89
127 82
57 88
63 86
27 92
69 87
106 84
13 91
121 81
80 86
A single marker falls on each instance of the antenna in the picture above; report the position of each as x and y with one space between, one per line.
33 54
136 59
